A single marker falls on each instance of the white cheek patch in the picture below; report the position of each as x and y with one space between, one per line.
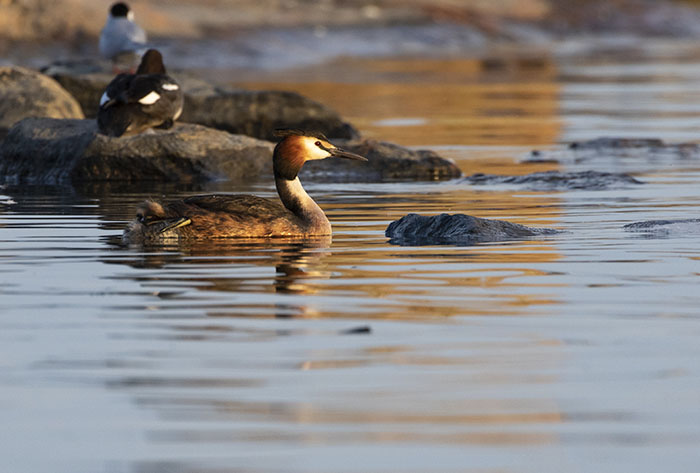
170 87
104 99
149 99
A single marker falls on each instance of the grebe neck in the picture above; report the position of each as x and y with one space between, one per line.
297 201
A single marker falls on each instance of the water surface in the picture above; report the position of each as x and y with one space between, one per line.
571 352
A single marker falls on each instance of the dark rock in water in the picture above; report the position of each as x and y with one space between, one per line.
51 151
252 113
663 228
414 229
611 142
26 93
622 151
387 161
553 180
259 113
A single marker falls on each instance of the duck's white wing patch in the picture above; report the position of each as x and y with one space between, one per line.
104 99
170 86
149 99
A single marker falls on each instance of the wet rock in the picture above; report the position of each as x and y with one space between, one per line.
387 161
556 180
414 229
612 142
51 151
26 93
665 228
642 154
244 112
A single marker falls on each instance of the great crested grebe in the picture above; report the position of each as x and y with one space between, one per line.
121 40
134 103
221 215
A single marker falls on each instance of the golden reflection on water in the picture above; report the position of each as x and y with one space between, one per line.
384 282
422 102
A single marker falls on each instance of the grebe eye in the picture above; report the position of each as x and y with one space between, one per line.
318 143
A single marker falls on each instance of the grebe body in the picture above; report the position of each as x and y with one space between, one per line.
226 216
133 103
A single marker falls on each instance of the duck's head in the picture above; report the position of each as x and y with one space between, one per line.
121 10
151 63
149 211
297 147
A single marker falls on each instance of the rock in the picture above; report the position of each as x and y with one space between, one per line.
252 113
52 151
637 154
555 180
26 93
665 228
612 142
414 229
259 113
387 161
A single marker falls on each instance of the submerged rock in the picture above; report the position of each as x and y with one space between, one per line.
620 151
244 112
554 180
663 228
414 229
26 93
387 161
613 142
52 151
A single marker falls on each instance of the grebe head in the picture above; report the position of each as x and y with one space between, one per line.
151 63
121 10
149 211
298 146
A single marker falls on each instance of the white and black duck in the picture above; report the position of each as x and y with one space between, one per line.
134 103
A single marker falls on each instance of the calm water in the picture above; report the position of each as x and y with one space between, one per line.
576 352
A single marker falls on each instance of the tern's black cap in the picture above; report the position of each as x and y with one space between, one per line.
119 9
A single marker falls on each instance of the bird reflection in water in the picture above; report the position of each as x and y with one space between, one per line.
234 267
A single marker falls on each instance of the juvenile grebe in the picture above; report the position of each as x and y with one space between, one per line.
133 103
121 40
220 216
